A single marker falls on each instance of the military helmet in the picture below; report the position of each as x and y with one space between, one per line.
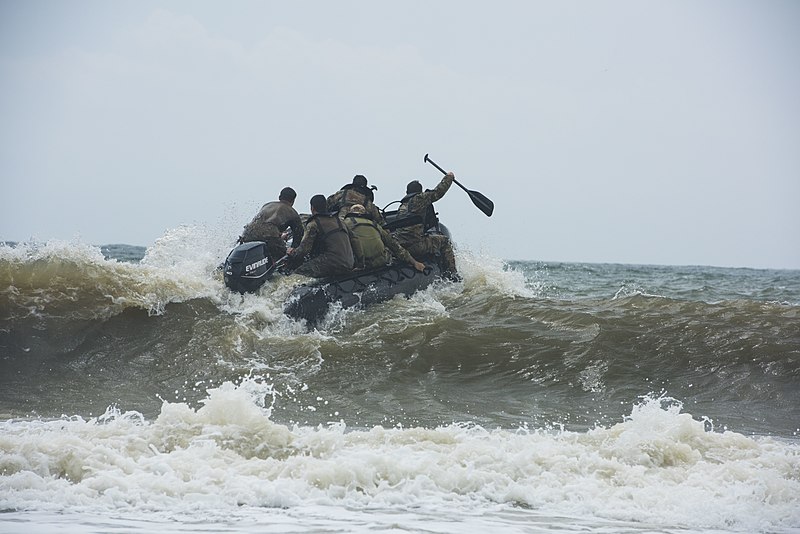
414 187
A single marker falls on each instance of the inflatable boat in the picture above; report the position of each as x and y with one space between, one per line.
249 266
312 301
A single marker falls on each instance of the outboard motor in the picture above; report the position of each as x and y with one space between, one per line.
247 267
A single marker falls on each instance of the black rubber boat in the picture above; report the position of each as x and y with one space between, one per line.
248 267
312 302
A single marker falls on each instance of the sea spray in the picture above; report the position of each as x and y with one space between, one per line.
518 399
659 465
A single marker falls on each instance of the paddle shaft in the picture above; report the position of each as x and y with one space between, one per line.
479 199
429 160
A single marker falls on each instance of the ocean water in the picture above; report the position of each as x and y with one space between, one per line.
137 394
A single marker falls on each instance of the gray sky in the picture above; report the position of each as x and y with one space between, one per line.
663 132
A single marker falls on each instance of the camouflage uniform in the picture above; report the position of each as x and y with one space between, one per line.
414 238
350 195
267 226
366 255
327 241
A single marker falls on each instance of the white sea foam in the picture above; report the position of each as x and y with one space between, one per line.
167 274
229 459
54 249
486 273
628 290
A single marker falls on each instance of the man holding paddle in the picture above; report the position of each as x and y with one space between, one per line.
414 238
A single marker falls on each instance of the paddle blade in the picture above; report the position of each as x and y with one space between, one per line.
481 202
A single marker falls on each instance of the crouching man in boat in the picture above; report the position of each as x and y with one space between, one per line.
414 237
326 241
271 221
352 194
372 245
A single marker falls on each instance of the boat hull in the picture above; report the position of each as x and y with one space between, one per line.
311 302
248 266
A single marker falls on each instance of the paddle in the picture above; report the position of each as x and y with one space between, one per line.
480 201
